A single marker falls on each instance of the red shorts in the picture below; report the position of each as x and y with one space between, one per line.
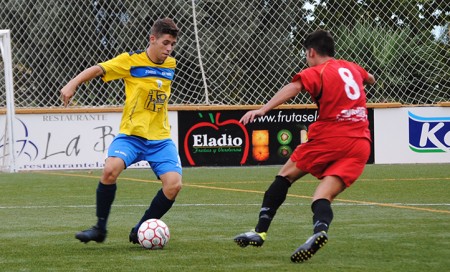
339 156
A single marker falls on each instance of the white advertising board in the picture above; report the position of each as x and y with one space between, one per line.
81 140
412 135
67 141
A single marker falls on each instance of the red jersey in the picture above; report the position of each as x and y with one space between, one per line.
336 86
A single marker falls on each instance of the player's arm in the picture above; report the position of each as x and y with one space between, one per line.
287 92
69 90
370 79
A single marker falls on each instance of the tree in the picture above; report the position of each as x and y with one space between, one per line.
394 40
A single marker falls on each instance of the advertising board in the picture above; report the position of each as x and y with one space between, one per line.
67 141
412 135
216 138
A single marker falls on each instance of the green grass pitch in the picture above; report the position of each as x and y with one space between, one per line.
394 218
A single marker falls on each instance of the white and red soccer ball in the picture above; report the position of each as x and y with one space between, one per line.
153 234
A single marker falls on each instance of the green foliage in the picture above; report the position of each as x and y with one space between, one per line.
249 49
393 40
395 218
405 59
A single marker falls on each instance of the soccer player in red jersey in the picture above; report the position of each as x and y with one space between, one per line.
338 145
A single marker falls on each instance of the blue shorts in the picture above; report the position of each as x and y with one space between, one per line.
162 155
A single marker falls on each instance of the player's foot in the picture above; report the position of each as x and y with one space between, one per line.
310 247
252 238
92 234
133 237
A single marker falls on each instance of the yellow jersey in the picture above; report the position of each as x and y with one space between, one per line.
147 91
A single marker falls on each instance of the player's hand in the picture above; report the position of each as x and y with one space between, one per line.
250 116
66 94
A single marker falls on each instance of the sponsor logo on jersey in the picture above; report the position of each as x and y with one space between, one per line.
148 71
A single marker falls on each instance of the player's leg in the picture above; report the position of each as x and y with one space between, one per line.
170 173
106 190
339 175
105 194
344 168
161 203
326 191
324 194
121 154
274 196
164 198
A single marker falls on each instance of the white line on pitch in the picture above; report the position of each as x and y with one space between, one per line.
215 204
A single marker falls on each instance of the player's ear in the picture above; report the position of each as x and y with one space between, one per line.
152 39
312 53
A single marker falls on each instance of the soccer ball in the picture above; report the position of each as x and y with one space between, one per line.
153 234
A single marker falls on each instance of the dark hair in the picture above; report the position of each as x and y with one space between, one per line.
164 26
322 41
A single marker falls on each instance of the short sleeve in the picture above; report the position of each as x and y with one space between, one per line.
118 67
310 80
362 71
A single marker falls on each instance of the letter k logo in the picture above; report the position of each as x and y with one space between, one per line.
428 134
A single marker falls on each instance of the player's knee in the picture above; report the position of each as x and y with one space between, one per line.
112 169
177 186
171 189
109 175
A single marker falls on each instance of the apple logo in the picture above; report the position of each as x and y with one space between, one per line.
209 144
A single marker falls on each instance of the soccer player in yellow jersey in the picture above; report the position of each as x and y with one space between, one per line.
144 130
